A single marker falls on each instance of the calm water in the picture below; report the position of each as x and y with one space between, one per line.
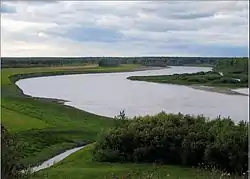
107 94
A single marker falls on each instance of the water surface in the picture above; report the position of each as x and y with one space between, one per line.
108 93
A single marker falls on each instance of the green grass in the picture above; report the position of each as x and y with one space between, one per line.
44 126
47 128
207 79
81 165
15 121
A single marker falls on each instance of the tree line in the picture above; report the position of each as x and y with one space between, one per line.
233 65
12 62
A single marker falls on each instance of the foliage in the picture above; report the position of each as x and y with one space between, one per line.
46 127
82 165
234 75
177 139
10 155
21 62
236 65
109 62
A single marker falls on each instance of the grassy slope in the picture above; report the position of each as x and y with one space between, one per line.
47 127
80 165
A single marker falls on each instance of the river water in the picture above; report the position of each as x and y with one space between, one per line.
108 93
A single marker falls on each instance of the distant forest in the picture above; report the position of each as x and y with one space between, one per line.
17 62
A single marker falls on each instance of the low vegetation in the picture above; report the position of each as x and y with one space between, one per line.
10 155
177 139
231 73
44 126
201 78
82 165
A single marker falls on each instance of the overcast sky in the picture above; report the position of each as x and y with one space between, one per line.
124 28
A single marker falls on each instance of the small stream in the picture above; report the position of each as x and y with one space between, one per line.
56 159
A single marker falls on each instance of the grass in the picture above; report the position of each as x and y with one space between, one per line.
16 122
46 127
205 79
81 165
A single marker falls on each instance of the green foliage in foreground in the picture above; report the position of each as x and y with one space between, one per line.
10 167
202 78
177 139
44 126
82 165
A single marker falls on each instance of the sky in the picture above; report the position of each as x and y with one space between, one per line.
124 28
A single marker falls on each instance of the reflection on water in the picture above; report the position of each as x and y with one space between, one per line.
107 94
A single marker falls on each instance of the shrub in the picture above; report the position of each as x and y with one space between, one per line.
10 155
177 139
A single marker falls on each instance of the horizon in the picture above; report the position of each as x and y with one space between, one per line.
78 29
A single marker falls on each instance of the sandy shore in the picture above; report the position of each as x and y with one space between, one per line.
217 90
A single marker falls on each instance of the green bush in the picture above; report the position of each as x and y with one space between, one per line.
177 139
10 155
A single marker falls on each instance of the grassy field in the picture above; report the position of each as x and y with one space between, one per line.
81 165
46 127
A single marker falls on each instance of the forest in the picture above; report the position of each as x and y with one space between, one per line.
17 62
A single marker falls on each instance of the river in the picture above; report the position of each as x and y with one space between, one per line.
108 93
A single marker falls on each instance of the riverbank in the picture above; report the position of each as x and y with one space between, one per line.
46 126
217 90
209 81
82 165
65 126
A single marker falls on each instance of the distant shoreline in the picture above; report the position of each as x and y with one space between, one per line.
217 90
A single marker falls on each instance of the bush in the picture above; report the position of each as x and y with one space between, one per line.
177 139
10 155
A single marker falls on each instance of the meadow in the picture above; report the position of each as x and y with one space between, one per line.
82 165
46 127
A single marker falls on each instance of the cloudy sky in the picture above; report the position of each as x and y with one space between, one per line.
124 28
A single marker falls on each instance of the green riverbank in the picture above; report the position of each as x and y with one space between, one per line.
208 81
44 126
227 74
81 165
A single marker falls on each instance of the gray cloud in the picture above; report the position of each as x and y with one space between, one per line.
166 27
5 8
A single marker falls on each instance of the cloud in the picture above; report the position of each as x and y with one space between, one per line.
125 28
4 8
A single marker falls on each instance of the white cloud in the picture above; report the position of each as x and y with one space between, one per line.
157 28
